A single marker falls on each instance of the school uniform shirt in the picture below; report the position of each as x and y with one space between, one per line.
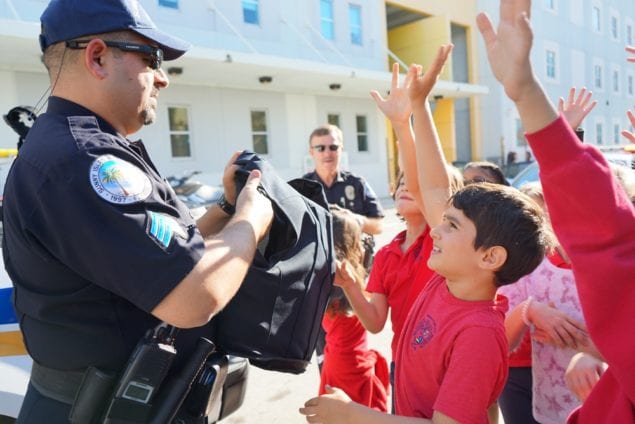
451 357
594 221
400 276
348 363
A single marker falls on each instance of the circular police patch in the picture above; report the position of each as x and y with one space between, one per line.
349 191
118 181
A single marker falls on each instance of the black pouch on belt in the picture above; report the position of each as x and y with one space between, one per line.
92 396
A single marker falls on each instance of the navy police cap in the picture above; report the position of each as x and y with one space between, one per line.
66 20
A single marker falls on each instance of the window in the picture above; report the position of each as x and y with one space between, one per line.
333 119
598 70
616 133
179 132
629 85
616 80
551 64
615 25
355 23
259 134
362 133
549 4
599 129
327 25
174 4
596 18
251 14
629 34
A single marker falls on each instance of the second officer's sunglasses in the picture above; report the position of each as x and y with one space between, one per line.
321 147
155 54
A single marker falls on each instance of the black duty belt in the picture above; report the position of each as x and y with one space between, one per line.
56 384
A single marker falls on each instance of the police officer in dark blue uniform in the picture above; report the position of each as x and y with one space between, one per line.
342 188
97 244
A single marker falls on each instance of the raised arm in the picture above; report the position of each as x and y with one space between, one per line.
396 107
434 180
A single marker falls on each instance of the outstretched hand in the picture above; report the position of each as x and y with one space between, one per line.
330 408
344 274
421 84
575 109
583 372
509 45
396 106
556 327
627 134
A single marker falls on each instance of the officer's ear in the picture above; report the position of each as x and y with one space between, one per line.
94 58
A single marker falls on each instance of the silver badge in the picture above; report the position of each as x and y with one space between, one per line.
349 191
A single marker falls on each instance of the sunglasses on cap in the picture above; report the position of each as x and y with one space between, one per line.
321 147
155 54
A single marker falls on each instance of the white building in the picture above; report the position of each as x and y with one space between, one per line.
261 76
576 43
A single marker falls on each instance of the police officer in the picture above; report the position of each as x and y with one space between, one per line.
342 188
97 245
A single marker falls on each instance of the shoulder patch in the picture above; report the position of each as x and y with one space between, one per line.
118 181
162 228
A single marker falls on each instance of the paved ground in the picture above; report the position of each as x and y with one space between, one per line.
274 398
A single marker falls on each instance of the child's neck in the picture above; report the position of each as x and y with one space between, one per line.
415 226
472 289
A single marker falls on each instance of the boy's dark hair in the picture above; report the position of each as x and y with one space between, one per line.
503 216
491 169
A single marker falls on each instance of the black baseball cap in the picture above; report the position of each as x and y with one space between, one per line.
64 20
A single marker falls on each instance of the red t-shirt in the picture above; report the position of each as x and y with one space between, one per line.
451 357
400 276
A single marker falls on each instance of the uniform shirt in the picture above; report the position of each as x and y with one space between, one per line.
94 239
401 276
351 192
452 356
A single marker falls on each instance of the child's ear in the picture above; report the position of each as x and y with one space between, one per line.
493 258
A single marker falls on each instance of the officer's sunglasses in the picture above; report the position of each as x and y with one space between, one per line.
154 54
321 147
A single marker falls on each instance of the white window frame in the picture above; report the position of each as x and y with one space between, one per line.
597 5
576 14
362 133
551 47
599 141
266 133
628 27
554 6
616 72
352 6
187 132
614 15
598 63
327 20
616 124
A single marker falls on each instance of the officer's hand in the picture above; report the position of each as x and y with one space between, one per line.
229 182
254 206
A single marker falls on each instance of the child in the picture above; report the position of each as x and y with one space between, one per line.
348 364
592 216
451 356
483 172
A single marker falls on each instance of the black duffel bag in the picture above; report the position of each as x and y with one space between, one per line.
275 317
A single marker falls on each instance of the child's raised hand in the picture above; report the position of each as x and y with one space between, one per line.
508 47
396 106
583 372
631 50
422 83
627 134
575 109
344 275
331 408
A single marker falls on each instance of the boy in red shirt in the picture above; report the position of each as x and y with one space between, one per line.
452 354
592 216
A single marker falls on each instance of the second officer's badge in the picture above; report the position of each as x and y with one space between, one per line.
118 181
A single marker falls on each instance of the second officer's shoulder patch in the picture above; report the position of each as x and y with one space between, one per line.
119 181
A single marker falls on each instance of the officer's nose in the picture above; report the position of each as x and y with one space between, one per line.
160 78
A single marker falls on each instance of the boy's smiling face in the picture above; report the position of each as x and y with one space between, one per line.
453 254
